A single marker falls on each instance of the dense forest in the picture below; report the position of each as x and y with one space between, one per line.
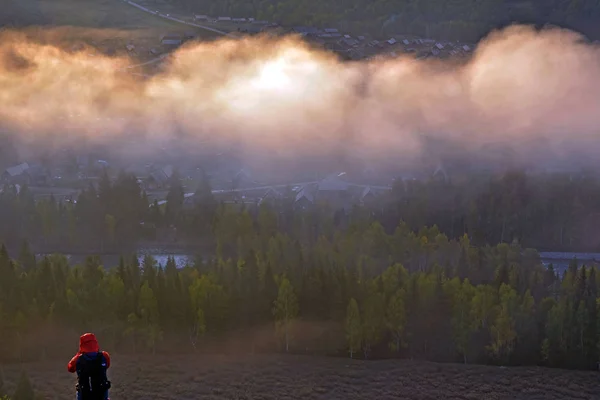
463 20
305 286
547 212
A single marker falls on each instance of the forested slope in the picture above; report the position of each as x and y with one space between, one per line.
357 291
381 281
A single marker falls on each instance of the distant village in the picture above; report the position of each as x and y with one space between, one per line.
229 184
349 47
63 176
362 47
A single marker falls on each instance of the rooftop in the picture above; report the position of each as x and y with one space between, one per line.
17 169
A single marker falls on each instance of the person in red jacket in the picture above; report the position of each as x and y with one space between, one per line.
91 364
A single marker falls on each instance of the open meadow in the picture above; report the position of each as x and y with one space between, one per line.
306 377
107 25
101 14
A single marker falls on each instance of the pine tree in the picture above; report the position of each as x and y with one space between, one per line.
175 198
26 257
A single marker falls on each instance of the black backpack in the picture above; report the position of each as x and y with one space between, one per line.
92 382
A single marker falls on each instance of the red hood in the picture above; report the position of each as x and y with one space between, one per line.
88 343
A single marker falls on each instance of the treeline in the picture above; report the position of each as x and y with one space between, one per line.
462 20
358 292
547 212
550 212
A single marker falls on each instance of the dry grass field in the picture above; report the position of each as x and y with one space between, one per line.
304 377
100 14
107 25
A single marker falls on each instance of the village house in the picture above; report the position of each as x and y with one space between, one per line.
336 47
305 198
272 196
171 40
38 175
332 189
338 193
349 42
251 30
242 179
273 30
305 30
367 196
356 54
16 174
159 178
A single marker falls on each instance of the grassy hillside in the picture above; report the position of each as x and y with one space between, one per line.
106 25
458 19
113 14
298 377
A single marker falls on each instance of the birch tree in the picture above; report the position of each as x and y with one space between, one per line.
373 321
503 332
396 319
285 309
149 316
461 295
353 327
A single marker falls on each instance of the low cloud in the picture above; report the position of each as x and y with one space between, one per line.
535 94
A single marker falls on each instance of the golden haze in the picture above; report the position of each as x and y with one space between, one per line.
282 96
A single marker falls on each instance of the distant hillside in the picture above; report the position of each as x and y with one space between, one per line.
459 19
20 13
80 13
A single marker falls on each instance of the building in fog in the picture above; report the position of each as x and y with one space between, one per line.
171 40
16 174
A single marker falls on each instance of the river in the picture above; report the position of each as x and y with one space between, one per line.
559 260
112 260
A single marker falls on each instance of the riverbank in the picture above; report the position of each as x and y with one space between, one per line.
186 254
112 260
